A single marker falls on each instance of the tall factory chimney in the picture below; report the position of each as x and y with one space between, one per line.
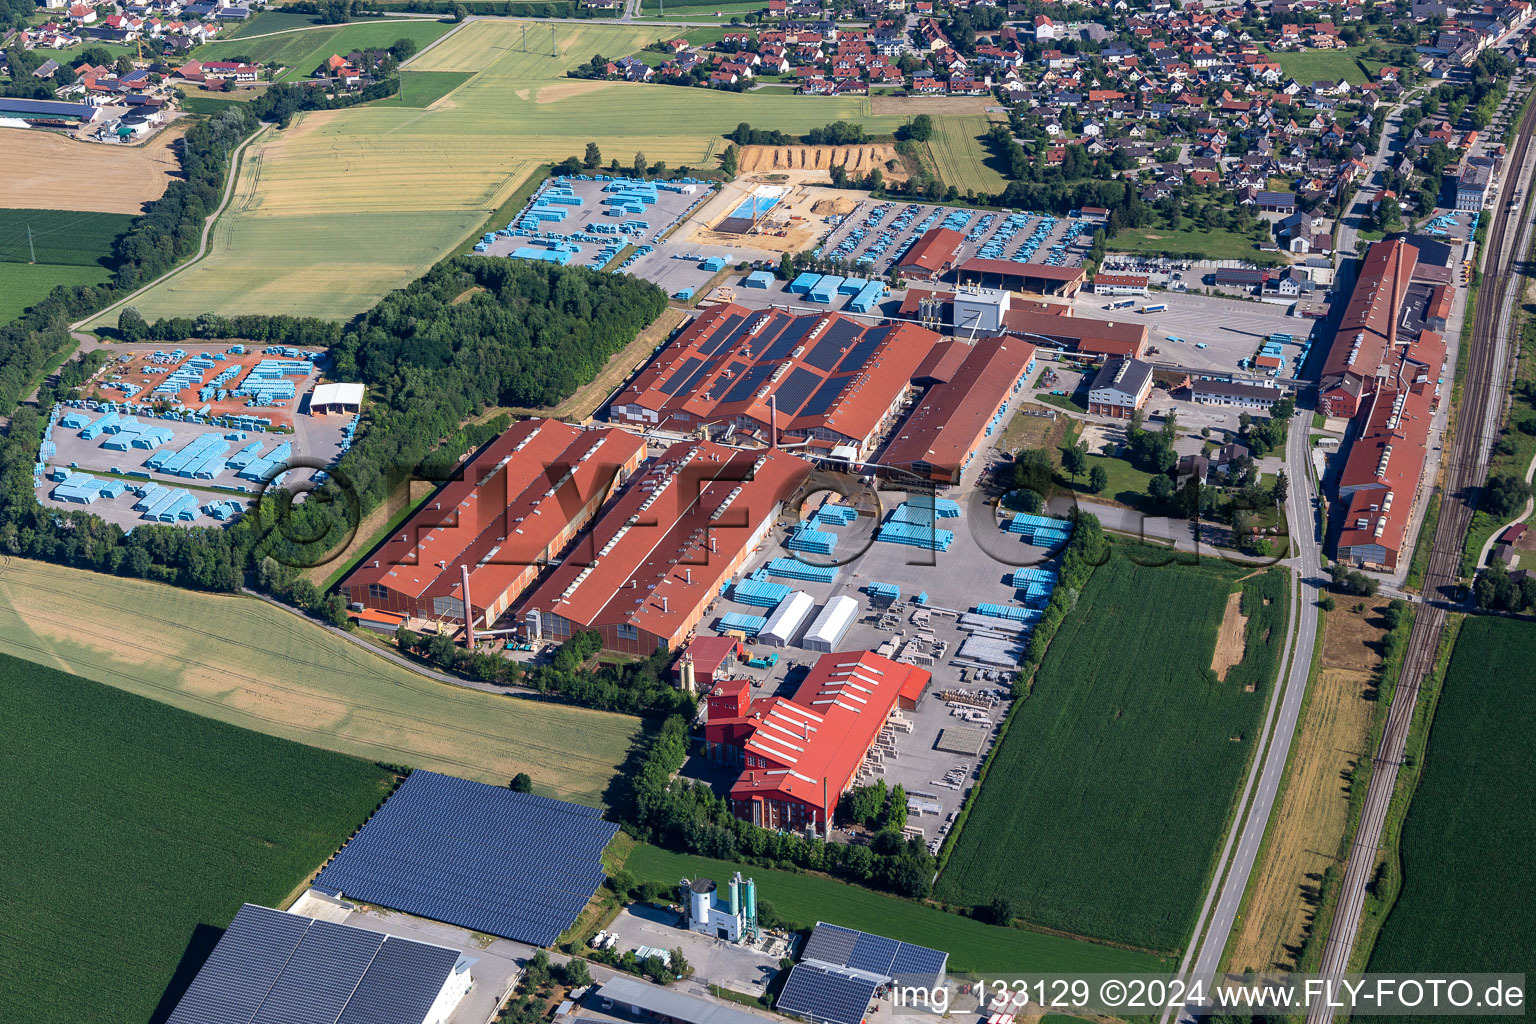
469 609
773 421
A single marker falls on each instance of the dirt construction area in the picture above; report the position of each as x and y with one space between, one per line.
44 171
854 159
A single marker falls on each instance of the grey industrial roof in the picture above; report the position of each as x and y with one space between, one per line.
665 1002
271 967
52 107
1136 374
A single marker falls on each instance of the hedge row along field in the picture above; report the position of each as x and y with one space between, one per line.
134 831
1104 805
1467 903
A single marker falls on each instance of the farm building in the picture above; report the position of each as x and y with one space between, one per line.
276 965
327 398
704 662
47 110
481 857
1120 388
829 379
931 256
1037 278
517 504
955 418
800 754
657 559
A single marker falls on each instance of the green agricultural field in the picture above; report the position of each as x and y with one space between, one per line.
960 155
1105 804
69 247
424 88
1308 66
345 205
971 945
245 662
302 50
135 831
1466 902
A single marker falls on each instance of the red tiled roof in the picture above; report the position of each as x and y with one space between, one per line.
1008 268
951 421
933 251
814 742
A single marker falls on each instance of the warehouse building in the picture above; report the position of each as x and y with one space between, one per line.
1121 387
1036 278
515 506
931 256
647 573
954 418
270 965
1120 284
825 378
335 397
706 661
842 969
800 754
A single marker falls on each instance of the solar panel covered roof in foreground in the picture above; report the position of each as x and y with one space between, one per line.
822 994
878 957
477 856
271 966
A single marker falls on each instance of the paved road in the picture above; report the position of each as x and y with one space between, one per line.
1466 469
1391 145
1225 897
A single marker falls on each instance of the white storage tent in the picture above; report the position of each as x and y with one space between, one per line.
786 620
832 624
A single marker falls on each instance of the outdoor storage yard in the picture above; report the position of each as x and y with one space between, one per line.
877 234
161 432
313 204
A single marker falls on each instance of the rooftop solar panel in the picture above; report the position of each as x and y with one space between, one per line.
873 953
831 943
785 343
823 995
672 383
828 348
825 396
729 330
321 975
795 389
477 856
859 355
416 972
918 961
692 383
748 383
242 968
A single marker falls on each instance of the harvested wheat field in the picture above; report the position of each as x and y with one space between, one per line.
44 171
1313 816
242 661
854 159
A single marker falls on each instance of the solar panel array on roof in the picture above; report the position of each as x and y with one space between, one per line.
672 383
271 966
859 355
829 348
825 396
731 328
785 343
749 382
874 955
819 994
795 389
477 856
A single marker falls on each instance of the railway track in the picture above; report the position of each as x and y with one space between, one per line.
1465 470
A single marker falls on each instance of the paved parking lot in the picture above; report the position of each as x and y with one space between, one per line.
1230 330
877 234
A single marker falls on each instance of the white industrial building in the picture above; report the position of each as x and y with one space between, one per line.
831 625
786 620
731 918
336 398
979 311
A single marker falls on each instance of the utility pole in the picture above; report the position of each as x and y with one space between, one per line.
525 38
30 247
554 51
